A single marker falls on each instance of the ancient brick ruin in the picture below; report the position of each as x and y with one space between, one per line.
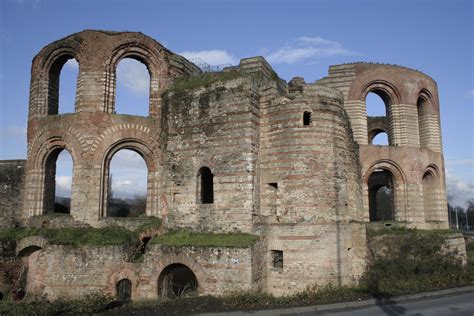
244 152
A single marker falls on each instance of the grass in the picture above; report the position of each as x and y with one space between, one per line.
186 238
73 236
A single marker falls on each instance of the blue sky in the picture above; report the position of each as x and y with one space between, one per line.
299 38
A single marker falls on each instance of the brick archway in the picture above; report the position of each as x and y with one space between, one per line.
174 258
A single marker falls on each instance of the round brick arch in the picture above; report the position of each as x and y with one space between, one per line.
177 258
45 71
147 51
119 273
400 180
32 242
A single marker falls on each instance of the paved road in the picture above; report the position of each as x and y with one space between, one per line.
456 305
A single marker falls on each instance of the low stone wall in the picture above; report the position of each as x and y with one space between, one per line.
66 272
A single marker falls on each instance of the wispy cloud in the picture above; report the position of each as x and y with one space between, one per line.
459 191
134 76
72 63
463 162
13 131
211 57
469 94
307 49
63 186
129 174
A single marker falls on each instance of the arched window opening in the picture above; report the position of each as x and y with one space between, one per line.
63 76
205 186
177 280
127 183
381 138
430 196
381 196
58 182
423 121
376 104
124 290
132 88
307 118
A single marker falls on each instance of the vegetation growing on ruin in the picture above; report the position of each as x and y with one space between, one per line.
73 236
186 238
204 80
405 261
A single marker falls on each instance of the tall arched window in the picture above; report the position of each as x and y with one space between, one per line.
205 186
132 87
381 196
430 196
63 76
127 180
307 118
58 182
378 118
423 121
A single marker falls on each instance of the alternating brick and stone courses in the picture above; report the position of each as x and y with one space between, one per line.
239 151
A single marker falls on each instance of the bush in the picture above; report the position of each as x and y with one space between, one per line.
87 306
412 261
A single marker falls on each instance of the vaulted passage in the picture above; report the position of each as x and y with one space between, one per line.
177 280
381 196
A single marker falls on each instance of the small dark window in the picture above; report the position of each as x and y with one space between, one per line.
124 290
306 118
206 186
277 259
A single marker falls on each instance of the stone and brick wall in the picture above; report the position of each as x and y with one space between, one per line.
12 181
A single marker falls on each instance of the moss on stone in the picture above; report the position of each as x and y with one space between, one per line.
186 238
204 80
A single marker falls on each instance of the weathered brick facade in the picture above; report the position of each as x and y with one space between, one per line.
291 163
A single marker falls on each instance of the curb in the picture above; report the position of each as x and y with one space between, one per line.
343 305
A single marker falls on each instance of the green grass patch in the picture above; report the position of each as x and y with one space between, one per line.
186 238
73 236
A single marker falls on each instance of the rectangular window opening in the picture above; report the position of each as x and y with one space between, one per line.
277 259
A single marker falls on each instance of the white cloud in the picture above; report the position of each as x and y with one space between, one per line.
72 64
469 94
458 190
129 174
13 131
306 49
63 186
212 57
134 76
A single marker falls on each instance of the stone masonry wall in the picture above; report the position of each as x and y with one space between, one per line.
66 272
12 181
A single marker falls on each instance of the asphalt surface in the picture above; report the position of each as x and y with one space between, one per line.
449 302
456 305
